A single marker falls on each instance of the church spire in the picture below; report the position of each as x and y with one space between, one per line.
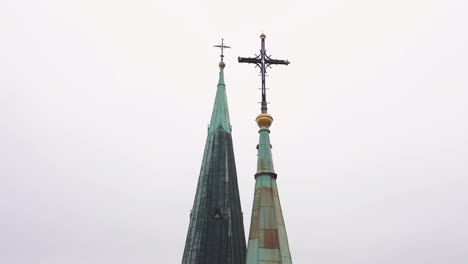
220 115
268 242
216 229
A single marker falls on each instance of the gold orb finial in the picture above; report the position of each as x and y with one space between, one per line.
264 120
262 36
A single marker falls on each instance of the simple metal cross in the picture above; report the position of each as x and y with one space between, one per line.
222 47
263 61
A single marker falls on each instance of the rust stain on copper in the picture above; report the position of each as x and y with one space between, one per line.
270 239
254 225
267 196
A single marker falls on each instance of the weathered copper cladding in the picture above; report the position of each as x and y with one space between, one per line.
216 230
268 241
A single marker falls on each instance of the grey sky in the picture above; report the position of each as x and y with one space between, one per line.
104 107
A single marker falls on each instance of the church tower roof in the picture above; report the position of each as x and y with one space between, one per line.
268 241
216 229
220 115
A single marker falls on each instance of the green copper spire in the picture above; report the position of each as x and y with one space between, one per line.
268 241
216 230
220 115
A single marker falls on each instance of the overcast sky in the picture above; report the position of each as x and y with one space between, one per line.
104 107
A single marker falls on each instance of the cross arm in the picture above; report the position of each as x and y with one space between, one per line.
249 60
270 61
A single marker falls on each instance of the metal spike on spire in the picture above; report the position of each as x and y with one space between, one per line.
263 61
222 47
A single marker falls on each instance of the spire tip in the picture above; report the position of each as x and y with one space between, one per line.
222 47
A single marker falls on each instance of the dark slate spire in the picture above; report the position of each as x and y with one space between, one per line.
216 230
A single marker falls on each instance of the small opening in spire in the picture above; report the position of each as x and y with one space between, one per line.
217 214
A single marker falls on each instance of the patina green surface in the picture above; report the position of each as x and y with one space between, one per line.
268 241
216 230
264 160
220 115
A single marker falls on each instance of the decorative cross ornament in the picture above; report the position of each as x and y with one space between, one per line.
263 61
222 47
